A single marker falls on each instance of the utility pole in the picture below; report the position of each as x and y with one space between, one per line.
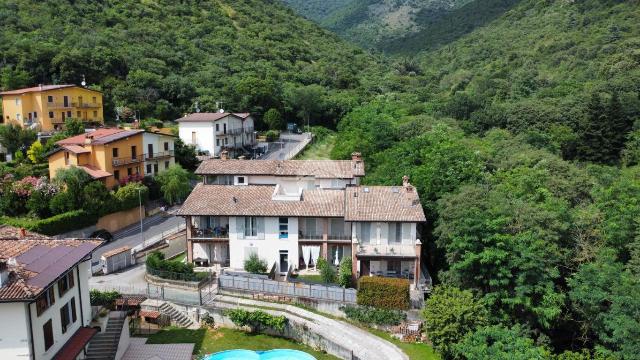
140 203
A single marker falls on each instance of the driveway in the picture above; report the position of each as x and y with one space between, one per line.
282 148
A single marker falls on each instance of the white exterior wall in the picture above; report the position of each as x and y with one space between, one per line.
53 313
157 140
379 234
267 248
14 331
205 135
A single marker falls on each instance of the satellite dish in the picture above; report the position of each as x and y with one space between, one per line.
221 111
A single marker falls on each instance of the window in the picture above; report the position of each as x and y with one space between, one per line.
155 168
95 114
134 152
129 171
217 127
217 142
18 101
35 114
149 150
44 301
284 227
114 152
65 283
148 168
226 141
241 180
65 101
166 146
95 99
166 165
18 117
193 138
224 128
47 330
78 114
66 158
50 98
116 174
68 315
50 114
68 113
250 226
220 180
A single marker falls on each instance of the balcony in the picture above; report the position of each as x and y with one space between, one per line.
217 233
127 160
54 105
160 155
86 105
398 250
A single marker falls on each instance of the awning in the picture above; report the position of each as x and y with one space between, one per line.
74 346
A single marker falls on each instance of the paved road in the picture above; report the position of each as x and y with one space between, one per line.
281 148
130 236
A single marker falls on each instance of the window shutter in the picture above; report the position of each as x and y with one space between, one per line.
260 224
64 314
47 330
71 279
73 310
240 227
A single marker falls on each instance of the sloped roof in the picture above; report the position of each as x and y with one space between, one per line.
34 263
322 169
35 89
94 171
207 117
76 343
383 203
100 136
255 200
76 149
116 251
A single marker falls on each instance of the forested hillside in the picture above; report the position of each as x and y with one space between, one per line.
160 57
523 139
317 10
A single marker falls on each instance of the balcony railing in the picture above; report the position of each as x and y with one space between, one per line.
55 105
162 154
86 105
216 233
319 237
398 250
127 160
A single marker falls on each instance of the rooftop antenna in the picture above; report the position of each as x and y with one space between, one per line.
219 106
84 82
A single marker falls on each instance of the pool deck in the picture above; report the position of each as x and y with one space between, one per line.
140 350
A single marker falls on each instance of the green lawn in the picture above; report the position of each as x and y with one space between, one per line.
211 341
320 150
180 257
415 351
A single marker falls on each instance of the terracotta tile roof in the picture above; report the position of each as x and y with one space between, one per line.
76 343
150 314
100 136
130 300
206 117
94 171
10 232
34 263
76 149
116 251
383 203
35 89
322 169
253 200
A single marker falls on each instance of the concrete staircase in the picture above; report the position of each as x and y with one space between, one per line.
105 344
178 318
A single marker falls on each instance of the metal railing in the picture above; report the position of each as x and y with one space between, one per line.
87 105
127 160
398 250
312 291
160 237
197 233
59 105
161 154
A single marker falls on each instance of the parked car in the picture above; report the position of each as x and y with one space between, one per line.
102 234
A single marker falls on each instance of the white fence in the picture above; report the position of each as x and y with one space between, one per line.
319 292
158 238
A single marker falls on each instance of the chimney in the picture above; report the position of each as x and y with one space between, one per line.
224 155
4 273
40 86
406 184
356 156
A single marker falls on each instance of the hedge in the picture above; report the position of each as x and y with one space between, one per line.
384 293
58 224
369 315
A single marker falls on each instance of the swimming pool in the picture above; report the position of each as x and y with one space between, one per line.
276 354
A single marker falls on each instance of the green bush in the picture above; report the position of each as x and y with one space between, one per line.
344 275
272 135
157 265
103 298
61 223
256 320
371 315
255 265
128 196
384 293
327 272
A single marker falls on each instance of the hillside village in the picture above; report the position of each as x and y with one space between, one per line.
319 180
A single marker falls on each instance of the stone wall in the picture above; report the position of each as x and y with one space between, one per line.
118 220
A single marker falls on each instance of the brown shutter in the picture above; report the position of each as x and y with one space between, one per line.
73 310
71 279
52 297
47 329
64 315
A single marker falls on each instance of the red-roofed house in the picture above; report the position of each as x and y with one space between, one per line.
214 132
47 106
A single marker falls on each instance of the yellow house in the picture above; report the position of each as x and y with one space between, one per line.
112 155
47 106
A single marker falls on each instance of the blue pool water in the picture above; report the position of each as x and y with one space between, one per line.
277 354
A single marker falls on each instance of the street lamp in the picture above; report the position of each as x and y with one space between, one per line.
140 204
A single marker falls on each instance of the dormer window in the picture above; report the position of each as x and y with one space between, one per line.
241 180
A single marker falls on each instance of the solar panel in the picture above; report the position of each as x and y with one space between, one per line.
54 254
32 254
61 264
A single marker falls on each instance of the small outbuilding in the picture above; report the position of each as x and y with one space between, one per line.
116 259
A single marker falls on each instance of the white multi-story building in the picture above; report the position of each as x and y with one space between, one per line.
214 132
159 152
44 296
292 212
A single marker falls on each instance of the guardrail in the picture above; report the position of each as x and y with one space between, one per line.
158 238
160 154
311 291
128 160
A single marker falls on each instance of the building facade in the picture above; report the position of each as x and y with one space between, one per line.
214 132
291 213
44 296
47 106
111 155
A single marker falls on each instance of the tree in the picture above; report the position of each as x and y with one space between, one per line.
174 184
499 343
450 314
327 272
98 200
72 127
36 152
255 265
15 138
72 180
186 155
274 119
305 101
345 276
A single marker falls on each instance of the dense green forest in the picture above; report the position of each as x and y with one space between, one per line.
518 122
317 10
160 57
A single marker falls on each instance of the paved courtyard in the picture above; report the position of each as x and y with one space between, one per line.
140 350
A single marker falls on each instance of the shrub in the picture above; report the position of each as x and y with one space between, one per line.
385 293
370 315
207 320
128 197
255 265
157 265
272 135
327 272
256 320
273 119
344 276
61 223
103 298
